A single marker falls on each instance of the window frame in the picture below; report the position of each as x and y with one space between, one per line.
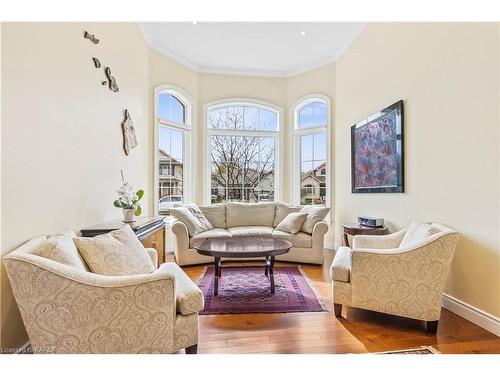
295 141
276 134
187 136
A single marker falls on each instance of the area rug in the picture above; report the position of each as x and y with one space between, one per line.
245 289
421 350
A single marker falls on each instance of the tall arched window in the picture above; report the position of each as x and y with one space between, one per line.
242 152
311 150
173 124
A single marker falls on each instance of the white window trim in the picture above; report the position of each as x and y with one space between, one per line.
295 135
278 142
187 149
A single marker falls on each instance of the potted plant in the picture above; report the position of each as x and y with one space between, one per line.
128 201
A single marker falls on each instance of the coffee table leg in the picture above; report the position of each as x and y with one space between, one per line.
271 273
266 270
217 274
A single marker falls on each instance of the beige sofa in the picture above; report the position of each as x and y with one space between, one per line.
257 219
68 310
377 274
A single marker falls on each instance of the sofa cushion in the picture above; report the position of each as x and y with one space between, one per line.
341 266
415 233
212 233
62 249
292 222
192 217
243 214
251 230
282 210
117 253
216 214
315 215
300 239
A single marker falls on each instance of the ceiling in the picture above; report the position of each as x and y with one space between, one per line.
278 49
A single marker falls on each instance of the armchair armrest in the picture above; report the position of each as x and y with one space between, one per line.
388 241
189 298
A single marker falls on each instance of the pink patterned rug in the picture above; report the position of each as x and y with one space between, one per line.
245 289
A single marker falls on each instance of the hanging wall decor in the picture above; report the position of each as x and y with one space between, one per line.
113 86
377 152
90 37
128 130
97 63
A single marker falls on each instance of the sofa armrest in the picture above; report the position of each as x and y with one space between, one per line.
341 265
153 254
189 298
181 237
388 241
319 230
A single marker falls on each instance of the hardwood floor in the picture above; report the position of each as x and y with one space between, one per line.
358 331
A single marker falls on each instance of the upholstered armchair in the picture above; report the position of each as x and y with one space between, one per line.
67 310
408 280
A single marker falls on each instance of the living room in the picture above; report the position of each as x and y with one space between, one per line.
248 148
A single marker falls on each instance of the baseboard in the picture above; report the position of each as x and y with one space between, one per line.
330 245
473 314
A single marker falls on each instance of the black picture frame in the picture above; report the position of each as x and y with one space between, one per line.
393 117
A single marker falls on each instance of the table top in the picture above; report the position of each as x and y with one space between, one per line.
356 228
141 223
243 247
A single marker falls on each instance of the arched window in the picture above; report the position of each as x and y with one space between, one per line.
311 150
173 115
242 151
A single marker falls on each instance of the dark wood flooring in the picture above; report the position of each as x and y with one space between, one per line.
358 331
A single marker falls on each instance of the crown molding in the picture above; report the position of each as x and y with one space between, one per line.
206 69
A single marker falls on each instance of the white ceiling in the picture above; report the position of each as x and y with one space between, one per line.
251 48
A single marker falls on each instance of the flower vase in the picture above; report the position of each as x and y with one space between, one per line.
128 215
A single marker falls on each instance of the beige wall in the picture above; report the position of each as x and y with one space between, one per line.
447 75
61 133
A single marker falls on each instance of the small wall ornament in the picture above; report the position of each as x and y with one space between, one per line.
113 86
128 130
90 37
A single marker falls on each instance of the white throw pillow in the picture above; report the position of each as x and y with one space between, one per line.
292 223
315 215
416 232
62 249
192 217
116 253
282 210
216 214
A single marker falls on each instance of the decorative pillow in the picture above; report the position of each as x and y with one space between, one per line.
416 232
282 210
192 217
62 249
315 215
116 253
292 223
216 214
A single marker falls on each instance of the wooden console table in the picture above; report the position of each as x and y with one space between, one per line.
355 229
149 230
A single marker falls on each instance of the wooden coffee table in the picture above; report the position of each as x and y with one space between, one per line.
243 248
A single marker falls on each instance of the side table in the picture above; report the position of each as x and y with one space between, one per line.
149 230
354 229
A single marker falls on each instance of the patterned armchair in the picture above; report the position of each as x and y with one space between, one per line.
67 310
380 275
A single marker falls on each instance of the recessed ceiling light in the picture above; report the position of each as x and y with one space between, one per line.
195 22
303 32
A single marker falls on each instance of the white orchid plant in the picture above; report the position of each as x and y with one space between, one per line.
128 199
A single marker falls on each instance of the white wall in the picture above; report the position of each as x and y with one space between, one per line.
61 133
447 75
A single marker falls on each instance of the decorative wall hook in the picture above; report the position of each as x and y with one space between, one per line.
91 37
97 63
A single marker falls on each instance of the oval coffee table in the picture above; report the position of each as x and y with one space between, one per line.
243 248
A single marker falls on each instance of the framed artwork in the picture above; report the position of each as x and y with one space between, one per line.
377 152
